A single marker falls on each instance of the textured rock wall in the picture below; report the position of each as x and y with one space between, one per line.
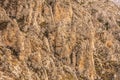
59 40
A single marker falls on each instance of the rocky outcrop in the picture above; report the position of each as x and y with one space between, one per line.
59 40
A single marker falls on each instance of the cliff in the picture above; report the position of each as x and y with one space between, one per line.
59 40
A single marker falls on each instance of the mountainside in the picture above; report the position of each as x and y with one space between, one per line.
59 40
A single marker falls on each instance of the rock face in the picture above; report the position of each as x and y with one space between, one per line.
59 40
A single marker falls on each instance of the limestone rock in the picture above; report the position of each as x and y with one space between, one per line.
59 40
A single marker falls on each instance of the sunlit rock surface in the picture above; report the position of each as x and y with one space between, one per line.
117 2
59 40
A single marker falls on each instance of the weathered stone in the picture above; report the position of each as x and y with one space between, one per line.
59 40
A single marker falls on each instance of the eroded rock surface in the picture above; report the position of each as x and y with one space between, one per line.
59 40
